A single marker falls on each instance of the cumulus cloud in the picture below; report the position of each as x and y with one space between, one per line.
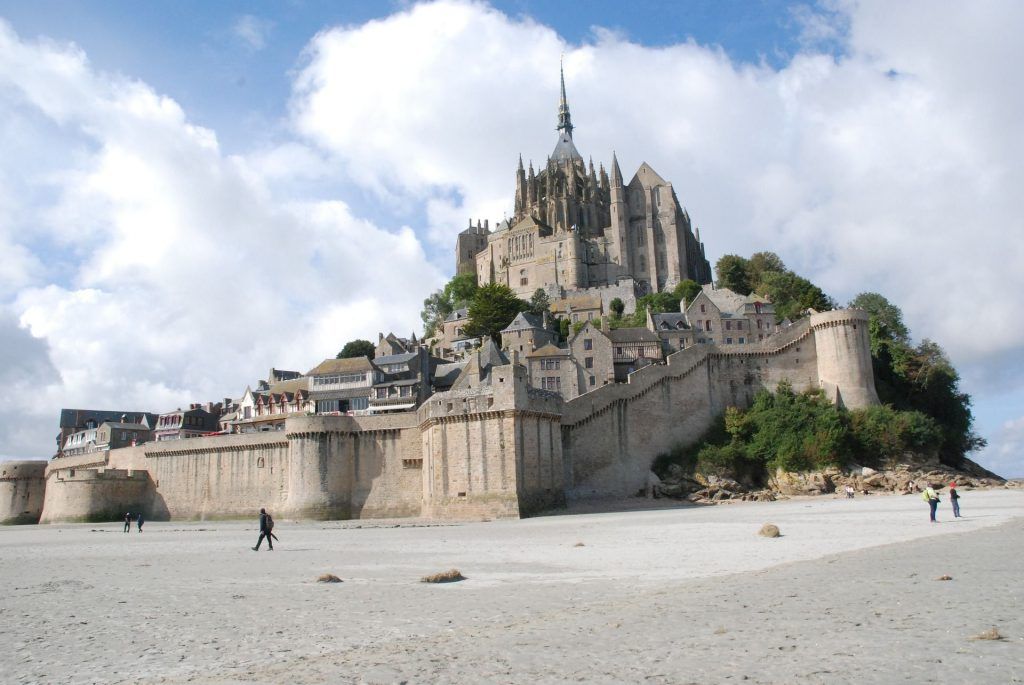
877 170
185 277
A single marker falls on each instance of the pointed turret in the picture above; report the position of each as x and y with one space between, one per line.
616 172
564 118
565 151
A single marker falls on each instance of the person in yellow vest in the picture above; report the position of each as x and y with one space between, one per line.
932 498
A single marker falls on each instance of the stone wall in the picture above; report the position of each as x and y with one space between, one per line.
611 436
95 494
493 447
22 488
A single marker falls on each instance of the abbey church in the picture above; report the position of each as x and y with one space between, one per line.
576 228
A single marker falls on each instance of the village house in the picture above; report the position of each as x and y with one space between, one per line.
343 385
721 316
186 423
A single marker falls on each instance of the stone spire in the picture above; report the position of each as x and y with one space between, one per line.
564 119
616 172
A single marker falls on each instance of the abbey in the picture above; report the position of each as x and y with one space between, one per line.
576 228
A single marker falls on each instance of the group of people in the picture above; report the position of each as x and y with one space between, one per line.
128 521
932 498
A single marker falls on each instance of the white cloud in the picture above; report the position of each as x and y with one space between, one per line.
186 280
1006 447
252 31
880 170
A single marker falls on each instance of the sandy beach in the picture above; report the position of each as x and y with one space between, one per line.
670 595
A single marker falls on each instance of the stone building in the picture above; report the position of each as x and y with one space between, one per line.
575 227
186 423
76 420
727 318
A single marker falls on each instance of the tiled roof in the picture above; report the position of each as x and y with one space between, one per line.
626 335
524 322
549 350
350 365
400 358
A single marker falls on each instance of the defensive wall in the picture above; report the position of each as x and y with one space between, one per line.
612 435
492 447
22 488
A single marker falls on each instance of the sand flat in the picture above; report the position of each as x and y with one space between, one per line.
674 595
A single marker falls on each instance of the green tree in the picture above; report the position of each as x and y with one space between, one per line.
460 290
732 273
539 302
761 263
792 294
493 307
356 348
686 291
886 322
456 294
617 306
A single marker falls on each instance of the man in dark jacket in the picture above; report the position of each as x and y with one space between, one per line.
265 527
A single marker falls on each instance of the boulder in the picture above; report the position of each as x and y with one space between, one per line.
769 530
867 471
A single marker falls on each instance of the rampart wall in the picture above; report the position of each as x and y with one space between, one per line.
22 488
95 494
494 447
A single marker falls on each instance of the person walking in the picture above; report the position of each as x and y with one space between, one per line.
128 522
932 498
266 528
954 499
140 521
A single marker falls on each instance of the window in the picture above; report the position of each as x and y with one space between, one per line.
707 325
575 317
728 325
618 351
588 343
702 309
728 341
742 341
588 362
592 380
553 383
759 322
643 263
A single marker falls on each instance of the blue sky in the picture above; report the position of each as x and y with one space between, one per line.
193 192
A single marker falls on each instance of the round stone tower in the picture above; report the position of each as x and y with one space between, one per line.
844 357
22 488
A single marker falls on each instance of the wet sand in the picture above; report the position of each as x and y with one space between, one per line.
677 595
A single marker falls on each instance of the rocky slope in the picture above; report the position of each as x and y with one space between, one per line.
910 474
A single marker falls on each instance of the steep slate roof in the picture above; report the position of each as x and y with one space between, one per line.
671 319
580 302
350 365
125 426
490 356
524 322
445 374
399 358
458 315
629 335
69 418
549 350
289 386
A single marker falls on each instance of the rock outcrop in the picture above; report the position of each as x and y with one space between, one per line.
910 474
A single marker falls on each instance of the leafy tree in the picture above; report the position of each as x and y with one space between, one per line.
456 294
539 302
792 294
761 263
686 291
493 307
618 307
356 348
732 273
886 319
460 290
563 329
